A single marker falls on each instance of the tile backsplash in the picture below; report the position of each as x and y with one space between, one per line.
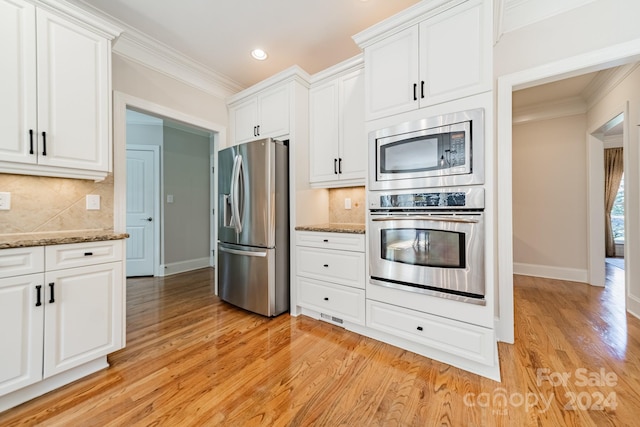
337 212
41 204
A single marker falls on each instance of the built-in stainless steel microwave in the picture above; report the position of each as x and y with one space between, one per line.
441 151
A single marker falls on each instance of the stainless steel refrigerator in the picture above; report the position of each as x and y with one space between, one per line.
253 226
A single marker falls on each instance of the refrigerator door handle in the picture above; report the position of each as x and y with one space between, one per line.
236 193
239 252
232 220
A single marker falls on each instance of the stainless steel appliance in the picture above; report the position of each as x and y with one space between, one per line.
253 226
429 241
443 151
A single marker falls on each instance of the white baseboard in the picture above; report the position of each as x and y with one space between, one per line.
184 266
550 272
633 305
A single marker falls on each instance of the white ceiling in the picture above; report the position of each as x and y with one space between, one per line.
219 34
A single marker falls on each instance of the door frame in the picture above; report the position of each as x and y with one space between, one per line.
158 235
121 102
595 60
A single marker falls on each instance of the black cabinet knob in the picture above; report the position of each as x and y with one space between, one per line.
419 328
326 298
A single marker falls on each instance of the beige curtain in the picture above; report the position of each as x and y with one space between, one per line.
613 169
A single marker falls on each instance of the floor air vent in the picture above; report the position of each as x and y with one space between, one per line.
332 318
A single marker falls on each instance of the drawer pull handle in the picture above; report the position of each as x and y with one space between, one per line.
52 299
38 295
326 298
326 240
88 253
326 265
419 328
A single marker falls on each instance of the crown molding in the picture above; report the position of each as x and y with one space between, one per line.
106 27
606 81
520 13
145 50
341 68
403 20
550 110
140 48
293 73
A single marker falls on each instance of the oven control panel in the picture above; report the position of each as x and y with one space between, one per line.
459 198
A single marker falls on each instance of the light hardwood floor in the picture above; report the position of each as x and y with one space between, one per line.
194 360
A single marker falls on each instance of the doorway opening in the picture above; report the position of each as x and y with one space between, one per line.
570 67
181 153
168 196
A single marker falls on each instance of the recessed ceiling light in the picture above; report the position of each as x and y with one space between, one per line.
259 54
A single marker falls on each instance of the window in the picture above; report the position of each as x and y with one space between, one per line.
617 214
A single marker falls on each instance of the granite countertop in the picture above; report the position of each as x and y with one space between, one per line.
22 240
334 227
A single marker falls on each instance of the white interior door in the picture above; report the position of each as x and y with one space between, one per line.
141 195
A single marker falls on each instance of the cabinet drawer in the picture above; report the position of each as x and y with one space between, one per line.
341 267
17 261
339 301
462 339
81 254
343 241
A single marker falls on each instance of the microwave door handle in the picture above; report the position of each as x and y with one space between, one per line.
425 218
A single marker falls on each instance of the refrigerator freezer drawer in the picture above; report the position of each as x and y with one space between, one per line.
247 279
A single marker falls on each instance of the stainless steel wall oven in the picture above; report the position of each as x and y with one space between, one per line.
429 241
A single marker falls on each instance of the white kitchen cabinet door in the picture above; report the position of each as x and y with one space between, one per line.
455 54
273 112
391 74
323 127
337 134
73 95
18 82
83 316
244 118
353 136
21 331
265 115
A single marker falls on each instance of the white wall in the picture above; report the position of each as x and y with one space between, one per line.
594 26
598 35
142 82
550 197
610 106
186 178
140 134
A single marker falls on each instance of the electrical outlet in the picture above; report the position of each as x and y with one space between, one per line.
347 203
93 202
5 201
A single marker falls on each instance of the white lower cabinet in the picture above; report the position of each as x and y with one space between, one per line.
21 332
461 339
66 313
341 302
330 279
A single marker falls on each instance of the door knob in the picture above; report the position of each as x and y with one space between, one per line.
147 219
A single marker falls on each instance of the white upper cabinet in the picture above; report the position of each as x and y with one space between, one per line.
261 116
337 133
446 55
56 117
18 83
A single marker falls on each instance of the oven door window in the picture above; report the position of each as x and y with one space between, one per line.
423 247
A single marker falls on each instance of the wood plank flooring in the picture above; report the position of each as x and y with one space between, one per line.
193 360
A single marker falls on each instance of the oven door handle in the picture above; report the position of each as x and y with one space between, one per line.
425 218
